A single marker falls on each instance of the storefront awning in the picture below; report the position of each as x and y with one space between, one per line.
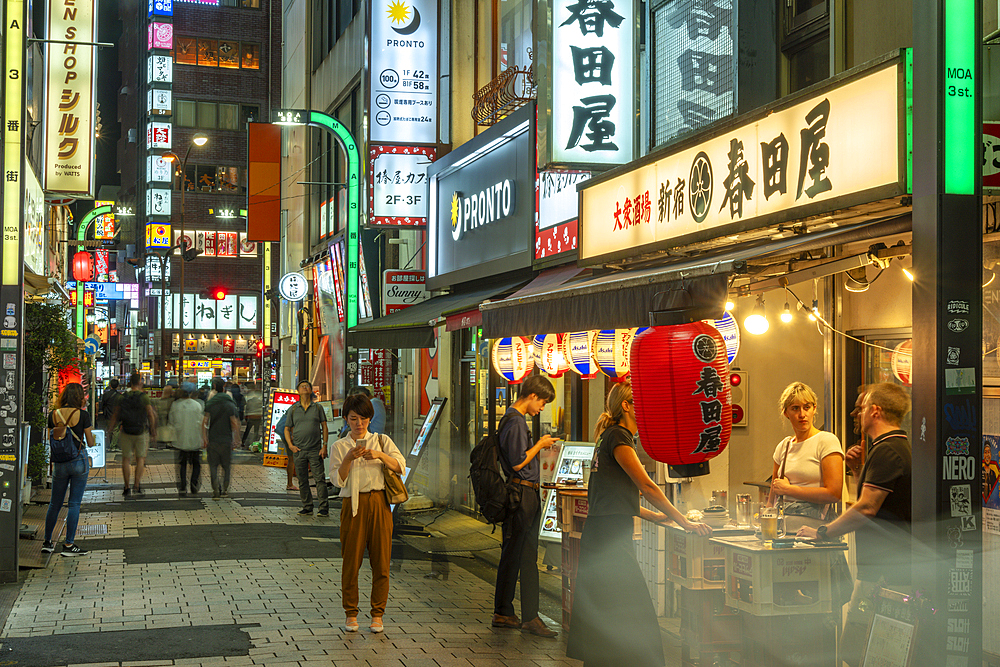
623 300
412 327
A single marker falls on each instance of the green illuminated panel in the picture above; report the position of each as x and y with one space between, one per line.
908 78
353 208
960 90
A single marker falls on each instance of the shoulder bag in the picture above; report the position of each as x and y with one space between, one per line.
395 490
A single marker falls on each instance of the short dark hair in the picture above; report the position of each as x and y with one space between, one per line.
893 400
218 385
539 386
359 404
134 380
302 382
360 389
114 383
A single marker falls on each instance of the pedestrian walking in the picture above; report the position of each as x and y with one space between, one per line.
164 429
223 426
138 424
306 434
187 416
254 411
359 460
68 414
107 404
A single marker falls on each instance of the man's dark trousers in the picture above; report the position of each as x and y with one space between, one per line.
519 556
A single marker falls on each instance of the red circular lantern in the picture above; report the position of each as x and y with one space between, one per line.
680 385
902 361
83 266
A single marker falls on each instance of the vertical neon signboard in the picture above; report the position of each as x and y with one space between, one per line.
13 118
960 92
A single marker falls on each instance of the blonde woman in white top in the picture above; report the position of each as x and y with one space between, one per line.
365 519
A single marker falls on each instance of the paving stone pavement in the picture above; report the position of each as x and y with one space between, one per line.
290 608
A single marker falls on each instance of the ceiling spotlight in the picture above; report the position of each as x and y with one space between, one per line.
786 314
908 274
856 280
756 323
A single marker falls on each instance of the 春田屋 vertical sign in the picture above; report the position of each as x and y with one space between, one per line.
404 80
593 81
69 97
960 135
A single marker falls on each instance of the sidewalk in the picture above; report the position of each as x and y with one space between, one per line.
246 581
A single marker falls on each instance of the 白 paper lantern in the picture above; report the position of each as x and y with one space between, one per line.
581 354
680 387
83 266
551 354
512 358
730 331
902 362
611 350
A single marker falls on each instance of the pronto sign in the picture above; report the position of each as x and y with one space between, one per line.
838 148
69 95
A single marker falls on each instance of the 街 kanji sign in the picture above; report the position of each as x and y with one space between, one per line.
592 81
794 157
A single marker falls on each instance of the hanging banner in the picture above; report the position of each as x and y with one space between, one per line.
404 71
69 94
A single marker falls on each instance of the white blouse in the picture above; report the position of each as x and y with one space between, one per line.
364 475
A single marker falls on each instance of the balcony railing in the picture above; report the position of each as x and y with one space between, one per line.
509 91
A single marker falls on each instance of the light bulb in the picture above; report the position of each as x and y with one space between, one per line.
730 305
756 323
906 272
786 314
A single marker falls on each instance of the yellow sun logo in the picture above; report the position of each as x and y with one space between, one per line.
398 11
455 210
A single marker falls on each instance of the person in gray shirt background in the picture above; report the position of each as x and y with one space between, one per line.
306 435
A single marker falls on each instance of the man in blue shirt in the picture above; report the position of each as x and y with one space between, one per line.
519 551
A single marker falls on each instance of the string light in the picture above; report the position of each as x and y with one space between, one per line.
786 314
756 323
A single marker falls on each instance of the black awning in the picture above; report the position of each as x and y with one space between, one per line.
412 327
624 300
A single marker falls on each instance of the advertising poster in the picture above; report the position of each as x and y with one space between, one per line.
991 489
281 400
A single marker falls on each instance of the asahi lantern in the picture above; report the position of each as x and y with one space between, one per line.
581 354
902 361
611 352
730 331
551 353
680 385
512 358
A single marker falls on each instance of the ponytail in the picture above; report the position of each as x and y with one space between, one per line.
620 392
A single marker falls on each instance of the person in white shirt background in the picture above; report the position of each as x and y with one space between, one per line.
365 517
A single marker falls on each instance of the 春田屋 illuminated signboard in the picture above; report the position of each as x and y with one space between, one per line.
591 105
404 79
69 106
792 161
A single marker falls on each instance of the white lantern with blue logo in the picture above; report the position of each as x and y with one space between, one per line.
513 358
730 331
551 354
611 352
581 354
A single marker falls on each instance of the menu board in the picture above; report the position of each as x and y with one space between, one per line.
568 467
430 421
281 400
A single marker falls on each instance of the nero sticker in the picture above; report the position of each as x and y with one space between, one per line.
959 468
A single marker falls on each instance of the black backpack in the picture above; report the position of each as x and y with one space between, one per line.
132 413
488 480
64 449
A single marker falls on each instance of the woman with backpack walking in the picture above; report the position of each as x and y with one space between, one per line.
70 428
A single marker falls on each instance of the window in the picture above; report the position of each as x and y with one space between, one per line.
228 53
805 42
208 52
241 4
251 113
215 179
208 114
184 113
514 43
229 117
213 115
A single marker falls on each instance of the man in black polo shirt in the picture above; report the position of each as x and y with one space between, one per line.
519 552
880 519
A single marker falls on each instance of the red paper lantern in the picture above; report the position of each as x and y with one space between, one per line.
682 397
83 266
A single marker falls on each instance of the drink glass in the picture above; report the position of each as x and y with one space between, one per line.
772 524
